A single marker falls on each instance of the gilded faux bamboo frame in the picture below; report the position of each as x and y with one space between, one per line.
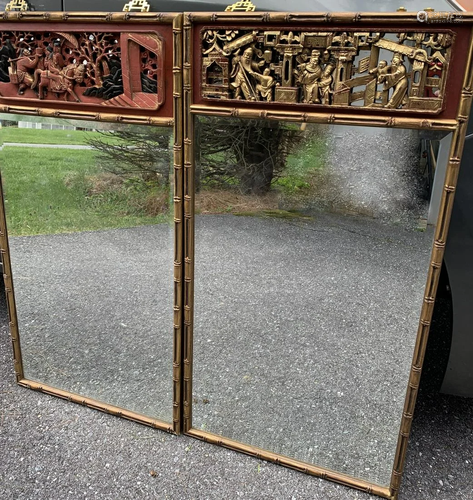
121 21
457 126
184 111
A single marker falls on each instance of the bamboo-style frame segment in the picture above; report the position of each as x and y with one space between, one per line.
93 17
182 121
121 21
355 18
376 119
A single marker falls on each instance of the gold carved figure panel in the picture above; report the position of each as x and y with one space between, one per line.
404 70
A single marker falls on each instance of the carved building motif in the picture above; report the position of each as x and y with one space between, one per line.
104 68
350 68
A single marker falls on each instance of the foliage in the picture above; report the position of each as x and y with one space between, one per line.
293 188
248 154
66 190
138 152
304 165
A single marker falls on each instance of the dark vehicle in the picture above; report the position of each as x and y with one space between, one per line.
448 365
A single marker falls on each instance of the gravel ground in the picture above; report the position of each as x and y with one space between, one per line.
52 449
99 322
55 449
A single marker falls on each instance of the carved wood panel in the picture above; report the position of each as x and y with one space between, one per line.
364 68
103 68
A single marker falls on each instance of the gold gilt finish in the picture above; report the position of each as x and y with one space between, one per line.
9 293
310 67
121 117
17 5
178 222
440 238
330 119
245 92
238 77
243 6
136 6
189 242
93 17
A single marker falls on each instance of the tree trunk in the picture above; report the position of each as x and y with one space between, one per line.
256 174
256 167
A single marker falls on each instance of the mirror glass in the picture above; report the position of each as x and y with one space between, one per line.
312 250
90 222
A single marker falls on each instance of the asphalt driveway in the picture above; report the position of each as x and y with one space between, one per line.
55 449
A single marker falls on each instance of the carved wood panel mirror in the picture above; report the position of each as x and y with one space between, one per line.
315 231
266 277
91 169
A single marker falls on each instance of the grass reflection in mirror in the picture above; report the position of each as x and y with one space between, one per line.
65 188
93 291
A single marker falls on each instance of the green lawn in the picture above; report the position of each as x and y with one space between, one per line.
302 165
33 136
63 190
50 190
40 136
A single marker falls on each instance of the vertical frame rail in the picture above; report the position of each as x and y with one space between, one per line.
178 223
189 231
438 251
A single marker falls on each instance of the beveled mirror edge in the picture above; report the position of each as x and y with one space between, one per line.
457 126
176 123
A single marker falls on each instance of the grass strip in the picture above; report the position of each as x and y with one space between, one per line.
50 191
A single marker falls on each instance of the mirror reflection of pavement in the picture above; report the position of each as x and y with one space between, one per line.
95 314
55 449
304 335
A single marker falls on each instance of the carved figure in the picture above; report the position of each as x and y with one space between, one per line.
88 65
55 62
20 70
330 67
309 75
265 85
380 71
397 80
62 82
325 84
243 69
